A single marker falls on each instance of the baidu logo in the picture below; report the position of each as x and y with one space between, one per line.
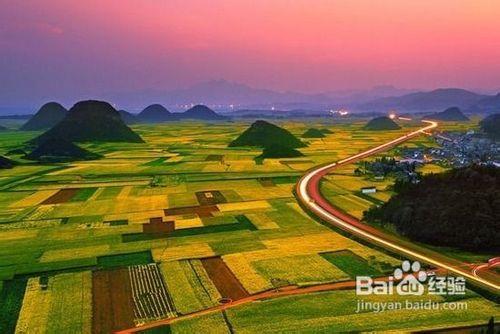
410 278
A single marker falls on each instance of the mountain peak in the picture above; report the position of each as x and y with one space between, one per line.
155 113
381 123
201 111
90 121
46 117
265 134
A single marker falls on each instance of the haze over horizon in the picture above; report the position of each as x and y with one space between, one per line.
53 51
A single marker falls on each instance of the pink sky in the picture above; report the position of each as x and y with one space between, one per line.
68 47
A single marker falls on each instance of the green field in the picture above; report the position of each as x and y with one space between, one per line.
256 226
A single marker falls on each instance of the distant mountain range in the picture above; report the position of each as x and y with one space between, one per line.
221 94
229 97
487 105
435 100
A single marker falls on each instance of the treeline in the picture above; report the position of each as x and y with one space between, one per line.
459 208
385 166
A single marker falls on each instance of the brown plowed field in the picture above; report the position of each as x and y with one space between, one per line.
158 226
113 305
62 196
201 211
223 278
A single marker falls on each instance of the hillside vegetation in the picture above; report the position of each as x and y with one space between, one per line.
313 133
459 208
491 126
58 150
277 151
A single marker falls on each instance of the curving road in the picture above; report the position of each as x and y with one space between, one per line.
308 193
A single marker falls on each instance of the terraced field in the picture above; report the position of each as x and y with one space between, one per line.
132 237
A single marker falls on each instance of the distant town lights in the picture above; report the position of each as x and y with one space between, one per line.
341 112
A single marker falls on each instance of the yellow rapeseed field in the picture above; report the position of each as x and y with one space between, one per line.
34 199
34 314
64 307
242 268
189 251
242 206
74 253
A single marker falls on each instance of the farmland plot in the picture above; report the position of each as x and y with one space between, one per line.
113 305
224 279
151 299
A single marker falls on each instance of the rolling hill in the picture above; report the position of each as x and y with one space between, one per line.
450 114
265 134
381 123
49 115
155 113
91 121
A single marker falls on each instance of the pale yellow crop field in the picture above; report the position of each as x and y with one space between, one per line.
241 266
74 253
188 294
299 269
189 251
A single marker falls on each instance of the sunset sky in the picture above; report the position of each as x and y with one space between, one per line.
62 48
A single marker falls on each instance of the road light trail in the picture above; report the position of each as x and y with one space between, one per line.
308 194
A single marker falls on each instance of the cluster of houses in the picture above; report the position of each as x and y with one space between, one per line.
457 150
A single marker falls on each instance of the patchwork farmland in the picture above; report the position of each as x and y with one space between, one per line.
183 224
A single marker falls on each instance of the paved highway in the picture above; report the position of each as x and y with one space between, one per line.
308 193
